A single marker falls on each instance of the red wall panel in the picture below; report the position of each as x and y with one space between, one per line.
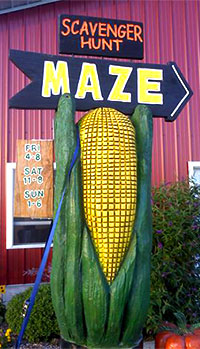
171 33
4 140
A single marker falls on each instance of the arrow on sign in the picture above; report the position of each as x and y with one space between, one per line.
100 83
186 88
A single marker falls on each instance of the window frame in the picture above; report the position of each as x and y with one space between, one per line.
191 166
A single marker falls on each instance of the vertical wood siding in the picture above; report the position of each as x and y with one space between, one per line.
171 33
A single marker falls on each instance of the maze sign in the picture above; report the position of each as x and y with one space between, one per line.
100 83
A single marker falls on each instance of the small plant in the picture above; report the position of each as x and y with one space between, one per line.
5 338
175 274
42 324
2 311
33 272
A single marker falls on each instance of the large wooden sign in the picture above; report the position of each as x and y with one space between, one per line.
34 179
100 37
100 83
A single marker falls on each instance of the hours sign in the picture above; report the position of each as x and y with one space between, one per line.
34 179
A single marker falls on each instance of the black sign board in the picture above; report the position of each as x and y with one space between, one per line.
100 83
100 37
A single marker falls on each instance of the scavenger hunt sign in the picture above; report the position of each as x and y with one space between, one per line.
100 37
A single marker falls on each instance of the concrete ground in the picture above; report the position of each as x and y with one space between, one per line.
12 290
149 345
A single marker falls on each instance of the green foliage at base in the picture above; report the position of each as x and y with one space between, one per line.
42 324
175 263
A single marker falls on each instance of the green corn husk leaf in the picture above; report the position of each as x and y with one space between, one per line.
95 292
136 310
65 140
119 293
72 276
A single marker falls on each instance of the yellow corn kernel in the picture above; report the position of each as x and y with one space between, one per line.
108 160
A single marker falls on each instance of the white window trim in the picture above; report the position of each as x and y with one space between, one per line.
191 166
10 170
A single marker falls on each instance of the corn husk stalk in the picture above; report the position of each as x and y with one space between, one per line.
101 257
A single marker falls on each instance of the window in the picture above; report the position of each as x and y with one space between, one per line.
22 232
194 171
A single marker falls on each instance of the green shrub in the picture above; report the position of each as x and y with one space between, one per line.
175 275
42 324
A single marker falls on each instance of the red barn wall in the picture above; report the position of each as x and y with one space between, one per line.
171 33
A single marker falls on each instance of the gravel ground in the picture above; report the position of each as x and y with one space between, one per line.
38 346
147 345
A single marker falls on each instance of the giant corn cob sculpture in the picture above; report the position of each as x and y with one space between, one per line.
101 256
108 159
